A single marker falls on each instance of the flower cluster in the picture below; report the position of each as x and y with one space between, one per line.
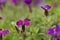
3 31
23 23
51 31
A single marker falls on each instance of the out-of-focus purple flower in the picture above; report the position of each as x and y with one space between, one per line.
54 3
1 18
19 22
15 1
6 32
28 2
3 1
38 2
23 23
56 38
50 31
27 19
26 22
46 7
57 30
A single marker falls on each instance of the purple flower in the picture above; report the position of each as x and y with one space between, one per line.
38 2
46 7
3 1
50 31
19 22
23 23
15 1
28 2
57 30
6 32
57 38
26 22
3 32
54 3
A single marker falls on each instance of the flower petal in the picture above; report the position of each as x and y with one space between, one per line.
50 31
27 21
58 30
46 7
2 1
28 1
57 38
6 32
19 22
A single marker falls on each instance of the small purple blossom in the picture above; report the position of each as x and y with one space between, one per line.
50 31
3 32
3 1
6 32
57 38
38 2
14 1
54 3
19 22
28 2
46 7
57 30
23 23
26 22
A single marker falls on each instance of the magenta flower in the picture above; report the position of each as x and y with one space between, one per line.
3 1
54 3
38 2
3 32
15 2
52 32
6 32
23 23
46 8
57 38
28 2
